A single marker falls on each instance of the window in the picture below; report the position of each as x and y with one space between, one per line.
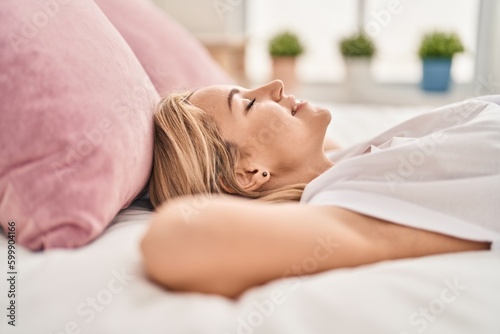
398 36
320 25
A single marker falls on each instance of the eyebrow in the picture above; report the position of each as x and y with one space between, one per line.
190 94
186 99
230 97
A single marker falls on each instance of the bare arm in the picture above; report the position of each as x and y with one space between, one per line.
225 245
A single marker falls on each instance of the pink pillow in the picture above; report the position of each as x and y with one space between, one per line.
75 126
172 57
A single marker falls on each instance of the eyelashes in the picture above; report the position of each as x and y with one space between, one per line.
249 106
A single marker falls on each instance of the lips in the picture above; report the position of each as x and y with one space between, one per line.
297 106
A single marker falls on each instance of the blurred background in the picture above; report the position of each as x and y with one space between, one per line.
238 33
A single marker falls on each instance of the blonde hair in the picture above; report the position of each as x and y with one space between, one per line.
190 156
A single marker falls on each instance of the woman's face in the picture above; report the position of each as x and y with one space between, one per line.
274 131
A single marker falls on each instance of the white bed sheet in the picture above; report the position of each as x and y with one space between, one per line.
101 288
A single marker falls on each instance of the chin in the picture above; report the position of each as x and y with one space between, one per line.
324 114
321 118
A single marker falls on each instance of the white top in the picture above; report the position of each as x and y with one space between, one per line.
439 171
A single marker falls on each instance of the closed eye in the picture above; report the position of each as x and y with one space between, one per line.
249 106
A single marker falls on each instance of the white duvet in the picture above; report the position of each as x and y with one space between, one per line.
101 288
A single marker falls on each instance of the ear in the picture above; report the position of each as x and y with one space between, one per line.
251 177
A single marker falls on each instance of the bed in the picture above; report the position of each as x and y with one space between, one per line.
76 151
101 287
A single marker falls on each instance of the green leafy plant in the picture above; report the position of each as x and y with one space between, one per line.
285 44
440 45
357 45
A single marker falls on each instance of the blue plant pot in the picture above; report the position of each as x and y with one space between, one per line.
436 76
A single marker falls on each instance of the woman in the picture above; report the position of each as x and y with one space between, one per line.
375 201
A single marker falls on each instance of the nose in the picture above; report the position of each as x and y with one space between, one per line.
274 89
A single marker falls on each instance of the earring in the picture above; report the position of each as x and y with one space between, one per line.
264 174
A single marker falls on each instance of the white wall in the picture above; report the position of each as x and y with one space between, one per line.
487 79
496 46
207 17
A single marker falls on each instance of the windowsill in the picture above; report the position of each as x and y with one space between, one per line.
385 93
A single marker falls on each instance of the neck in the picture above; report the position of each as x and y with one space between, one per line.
316 168
303 173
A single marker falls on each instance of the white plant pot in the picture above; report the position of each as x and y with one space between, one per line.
358 69
358 77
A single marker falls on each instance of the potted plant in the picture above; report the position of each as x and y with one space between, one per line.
357 50
284 49
436 51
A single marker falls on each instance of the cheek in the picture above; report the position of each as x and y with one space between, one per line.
269 127
278 125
